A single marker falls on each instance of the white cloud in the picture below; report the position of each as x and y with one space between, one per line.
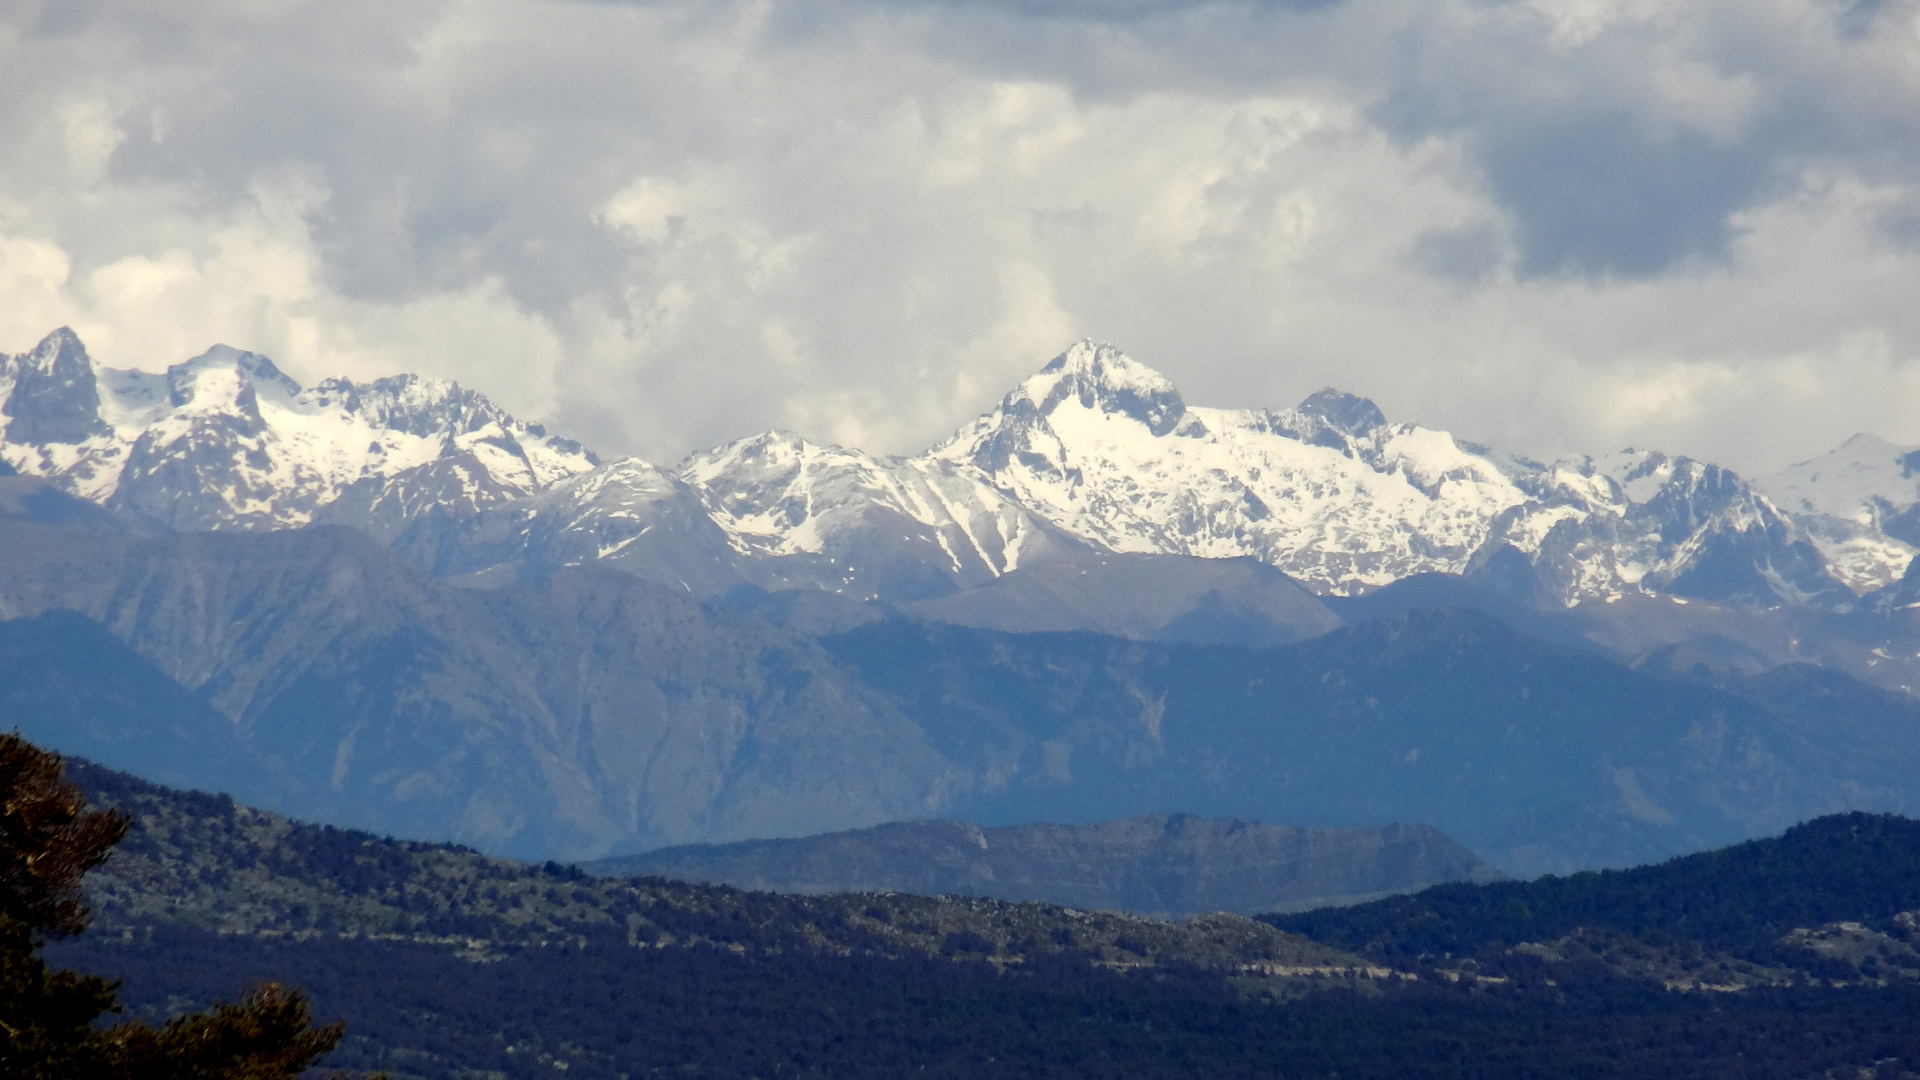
1554 226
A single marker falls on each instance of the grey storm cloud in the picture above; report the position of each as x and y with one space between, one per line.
1546 224
1604 170
1595 195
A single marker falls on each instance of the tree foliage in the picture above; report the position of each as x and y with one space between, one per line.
48 840
49 1018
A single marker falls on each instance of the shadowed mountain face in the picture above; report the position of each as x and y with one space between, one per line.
1148 597
587 712
1167 865
591 713
1542 758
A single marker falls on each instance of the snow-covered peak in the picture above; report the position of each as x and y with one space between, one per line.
222 377
1091 378
1638 475
1094 451
413 404
1105 449
1860 480
1861 504
1091 391
769 453
779 495
1335 495
1101 378
618 486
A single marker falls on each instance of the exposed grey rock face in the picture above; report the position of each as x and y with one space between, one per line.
1173 866
1343 412
53 398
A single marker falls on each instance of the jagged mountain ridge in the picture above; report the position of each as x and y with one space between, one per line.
1094 455
1097 454
226 440
1342 500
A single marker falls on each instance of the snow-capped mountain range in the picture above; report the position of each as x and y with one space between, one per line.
225 440
1095 454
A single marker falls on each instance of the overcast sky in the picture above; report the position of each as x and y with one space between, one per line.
1551 225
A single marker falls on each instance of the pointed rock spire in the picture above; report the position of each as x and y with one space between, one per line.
55 398
1105 379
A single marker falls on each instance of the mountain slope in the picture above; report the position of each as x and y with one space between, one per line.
586 712
1149 597
592 713
1169 866
204 861
1539 757
65 679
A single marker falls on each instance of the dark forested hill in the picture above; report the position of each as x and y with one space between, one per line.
204 861
1844 889
445 962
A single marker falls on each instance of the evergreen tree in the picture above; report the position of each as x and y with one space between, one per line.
48 1030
